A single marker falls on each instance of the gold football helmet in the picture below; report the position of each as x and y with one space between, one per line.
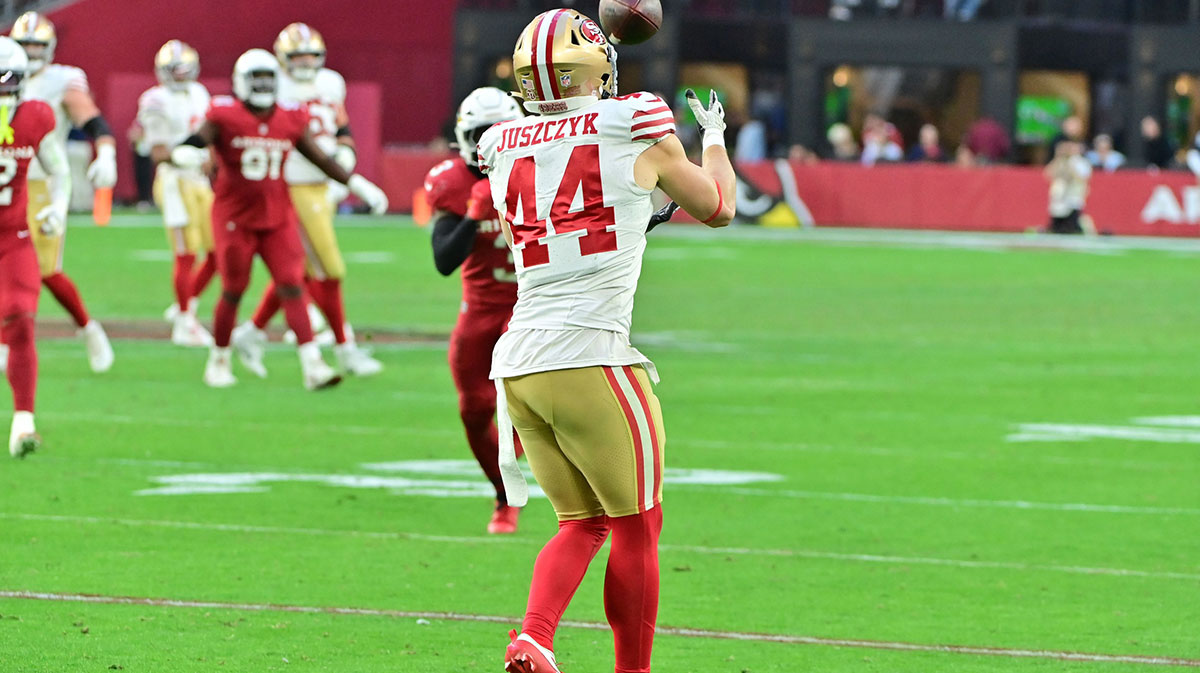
301 51
563 61
176 65
36 35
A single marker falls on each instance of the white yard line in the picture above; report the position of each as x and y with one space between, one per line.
960 502
684 632
692 549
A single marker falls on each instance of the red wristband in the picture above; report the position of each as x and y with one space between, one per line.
720 203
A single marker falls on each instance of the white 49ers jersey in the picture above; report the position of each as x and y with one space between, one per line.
51 84
169 116
565 184
323 95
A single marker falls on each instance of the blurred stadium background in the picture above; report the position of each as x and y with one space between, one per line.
812 82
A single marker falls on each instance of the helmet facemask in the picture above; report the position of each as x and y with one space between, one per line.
39 53
12 84
262 86
303 67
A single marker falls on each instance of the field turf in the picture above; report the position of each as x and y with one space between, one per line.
903 457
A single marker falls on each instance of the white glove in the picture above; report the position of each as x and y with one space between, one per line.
103 171
345 156
189 156
52 220
337 192
711 121
371 195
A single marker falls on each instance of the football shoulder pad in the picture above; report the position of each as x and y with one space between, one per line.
650 118
448 186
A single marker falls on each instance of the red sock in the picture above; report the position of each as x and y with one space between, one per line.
17 333
631 588
204 274
295 309
68 295
268 306
328 296
224 316
183 279
559 569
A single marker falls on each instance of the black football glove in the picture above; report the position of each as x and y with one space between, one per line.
662 215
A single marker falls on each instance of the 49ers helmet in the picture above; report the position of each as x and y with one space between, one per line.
176 65
35 33
480 109
561 58
299 39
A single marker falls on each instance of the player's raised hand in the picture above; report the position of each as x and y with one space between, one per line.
102 172
371 195
711 120
479 205
52 220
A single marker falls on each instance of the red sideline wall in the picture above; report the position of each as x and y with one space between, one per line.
1009 198
404 47
1002 198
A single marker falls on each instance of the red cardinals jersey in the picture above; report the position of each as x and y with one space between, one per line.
250 192
32 121
488 275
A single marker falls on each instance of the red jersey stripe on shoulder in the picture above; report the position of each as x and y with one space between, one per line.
655 136
652 122
631 96
658 110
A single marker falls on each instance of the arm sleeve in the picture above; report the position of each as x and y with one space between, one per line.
52 155
453 239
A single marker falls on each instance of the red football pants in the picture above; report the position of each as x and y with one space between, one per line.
20 282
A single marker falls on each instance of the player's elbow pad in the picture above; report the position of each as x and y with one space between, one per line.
96 127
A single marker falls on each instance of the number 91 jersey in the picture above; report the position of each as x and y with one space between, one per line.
250 150
565 185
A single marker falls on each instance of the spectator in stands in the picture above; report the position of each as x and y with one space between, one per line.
841 142
1193 155
1157 148
964 157
988 141
751 144
1068 174
1102 155
802 155
928 147
881 141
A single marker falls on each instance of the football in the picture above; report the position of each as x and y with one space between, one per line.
630 21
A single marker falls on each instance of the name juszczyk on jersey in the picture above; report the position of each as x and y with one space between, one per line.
553 129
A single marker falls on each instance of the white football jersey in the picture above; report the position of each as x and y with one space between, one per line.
322 96
51 84
169 116
565 184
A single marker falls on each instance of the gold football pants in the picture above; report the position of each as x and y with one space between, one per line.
594 438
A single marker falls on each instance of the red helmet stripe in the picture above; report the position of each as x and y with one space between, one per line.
550 53
533 58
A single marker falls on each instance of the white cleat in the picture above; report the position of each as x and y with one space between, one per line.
317 374
172 311
99 350
189 332
218 373
23 439
3 358
354 360
250 344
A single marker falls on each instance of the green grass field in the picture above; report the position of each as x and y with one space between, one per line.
993 450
